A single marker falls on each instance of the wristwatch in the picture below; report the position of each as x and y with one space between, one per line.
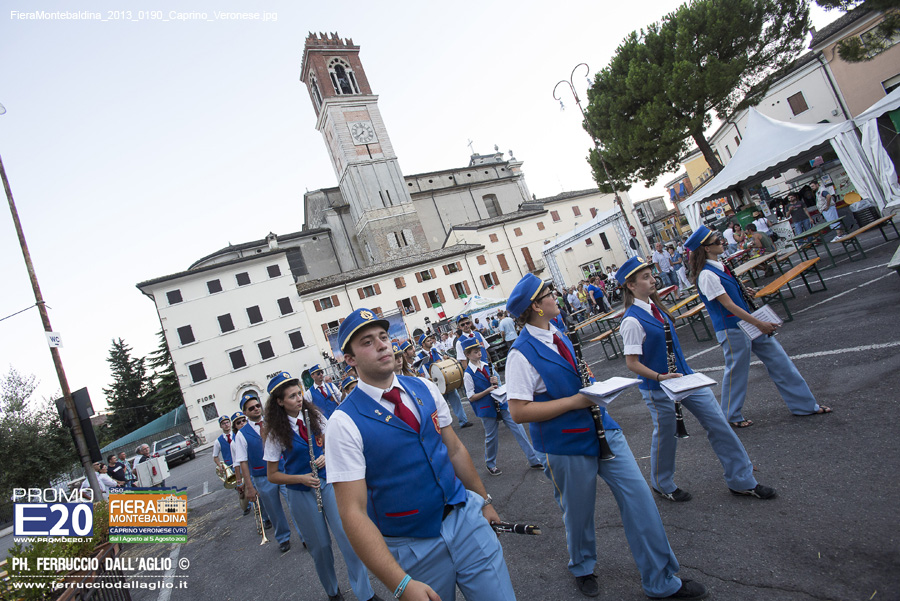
487 501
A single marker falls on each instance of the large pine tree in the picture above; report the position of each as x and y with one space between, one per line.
166 392
659 91
883 36
127 397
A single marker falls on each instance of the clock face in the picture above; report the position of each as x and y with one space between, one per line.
362 132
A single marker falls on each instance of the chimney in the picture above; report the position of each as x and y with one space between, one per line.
272 239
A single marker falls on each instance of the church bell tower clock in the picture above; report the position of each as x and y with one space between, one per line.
364 162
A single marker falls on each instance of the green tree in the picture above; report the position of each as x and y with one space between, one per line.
166 392
660 89
127 397
884 35
35 446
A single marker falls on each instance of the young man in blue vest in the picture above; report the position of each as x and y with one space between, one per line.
325 395
411 502
432 355
248 454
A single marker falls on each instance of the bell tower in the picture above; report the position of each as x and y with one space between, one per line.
363 158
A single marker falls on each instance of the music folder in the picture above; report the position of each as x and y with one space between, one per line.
679 388
605 391
764 313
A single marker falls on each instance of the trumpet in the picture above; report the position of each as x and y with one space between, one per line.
226 475
312 458
584 372
260 526
680 429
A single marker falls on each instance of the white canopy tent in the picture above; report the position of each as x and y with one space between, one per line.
768 144
886 175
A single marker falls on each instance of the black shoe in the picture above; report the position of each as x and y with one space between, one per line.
494 471
467 425
247 511
338 597
689 591
676 496
267 524
588 585
285 546
537 466
761 491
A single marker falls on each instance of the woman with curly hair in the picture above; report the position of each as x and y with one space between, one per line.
288 433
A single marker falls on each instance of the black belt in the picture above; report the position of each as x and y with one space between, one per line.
449 508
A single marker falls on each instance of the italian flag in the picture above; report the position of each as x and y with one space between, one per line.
440 310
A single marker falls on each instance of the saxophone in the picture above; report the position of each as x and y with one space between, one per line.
312 458
680 429
584 372
226 475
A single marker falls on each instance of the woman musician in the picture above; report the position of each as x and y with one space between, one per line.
647 342
288 434
543 386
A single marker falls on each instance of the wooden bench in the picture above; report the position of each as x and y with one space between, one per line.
695 316
773 288
785 257
609 343
894 263
687 302
851 241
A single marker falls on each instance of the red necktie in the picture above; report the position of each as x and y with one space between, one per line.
485 373
657 314
322 390
564 351
400 410
228 438
303 433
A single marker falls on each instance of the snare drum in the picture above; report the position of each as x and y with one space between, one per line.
447 374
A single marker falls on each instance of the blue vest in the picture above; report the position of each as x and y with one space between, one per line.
296 461
559 323
723 319
326 404
483 407
484 353
225 446
432 357
409 476
654 349
573 432
254 450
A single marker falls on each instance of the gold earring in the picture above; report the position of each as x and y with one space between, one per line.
540 312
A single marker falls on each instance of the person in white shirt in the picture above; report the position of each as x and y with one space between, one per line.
103 478
664 265
826 202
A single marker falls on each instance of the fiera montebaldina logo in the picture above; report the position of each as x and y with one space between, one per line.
148 516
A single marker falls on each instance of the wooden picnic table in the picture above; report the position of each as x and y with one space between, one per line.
752 264
851 241
809 238
592 321
664 292
687 302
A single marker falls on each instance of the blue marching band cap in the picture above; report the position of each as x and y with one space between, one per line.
223 418
396 348
629 267
461 317
237 415
355 321
247 396
281 378
347 368
523 294
698 237
316 367
347 381
405 345
470 343
422 338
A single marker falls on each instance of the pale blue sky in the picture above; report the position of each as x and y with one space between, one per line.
134 148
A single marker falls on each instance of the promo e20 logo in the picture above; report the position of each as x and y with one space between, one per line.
54 519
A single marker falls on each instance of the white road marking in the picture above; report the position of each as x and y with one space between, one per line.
839 351
169 578
839 295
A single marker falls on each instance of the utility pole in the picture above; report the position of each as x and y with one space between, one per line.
80 442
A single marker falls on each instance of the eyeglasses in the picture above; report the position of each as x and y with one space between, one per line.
543 296
465 324
718 240
253 408
239 422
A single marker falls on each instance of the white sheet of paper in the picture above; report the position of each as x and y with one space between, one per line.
605 391
764 313
679 388
500 393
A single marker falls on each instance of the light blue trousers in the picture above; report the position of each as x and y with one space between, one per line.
574 480
466 554
492 438
456 406
315 529
737 347
725 443
271 508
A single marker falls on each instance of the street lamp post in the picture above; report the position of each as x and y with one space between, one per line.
628 250
80 442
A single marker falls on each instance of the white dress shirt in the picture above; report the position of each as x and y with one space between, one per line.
239 443
632 331
522 380
273 448
344 443
329 387
709 283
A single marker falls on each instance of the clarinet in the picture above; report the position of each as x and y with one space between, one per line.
584 372
312 458
493 398
680 429
516 528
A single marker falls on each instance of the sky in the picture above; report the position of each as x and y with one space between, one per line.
135 147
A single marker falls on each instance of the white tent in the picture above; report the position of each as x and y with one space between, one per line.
767 143
888 103
885 174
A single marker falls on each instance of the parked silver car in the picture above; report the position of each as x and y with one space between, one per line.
173 448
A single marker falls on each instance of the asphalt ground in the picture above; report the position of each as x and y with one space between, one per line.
832 532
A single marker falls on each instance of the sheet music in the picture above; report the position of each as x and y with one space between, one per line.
679 388
764 313
500 393
605 391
